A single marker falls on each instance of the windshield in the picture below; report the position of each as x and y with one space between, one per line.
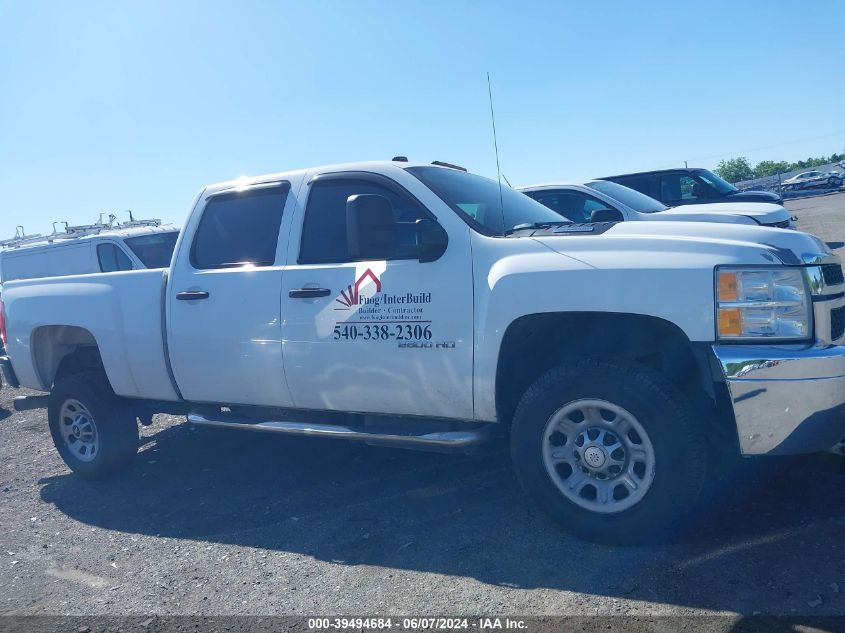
480 200
719 184
634 199
154 250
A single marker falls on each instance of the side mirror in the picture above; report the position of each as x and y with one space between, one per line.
371 231
432 240
606 215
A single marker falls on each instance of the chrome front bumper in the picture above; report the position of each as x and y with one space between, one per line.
786 399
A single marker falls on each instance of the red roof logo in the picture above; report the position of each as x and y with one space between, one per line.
349 297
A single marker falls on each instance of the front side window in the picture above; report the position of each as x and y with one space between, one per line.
154 250
324 231
239 229
674 188
490 207
690 188
112 258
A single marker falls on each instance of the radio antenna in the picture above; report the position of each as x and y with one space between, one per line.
496 148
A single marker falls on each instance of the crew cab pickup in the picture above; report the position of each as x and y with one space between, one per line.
425 307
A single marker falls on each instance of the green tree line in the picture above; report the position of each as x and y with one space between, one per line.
737 169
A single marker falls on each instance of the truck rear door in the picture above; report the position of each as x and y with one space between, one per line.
223 322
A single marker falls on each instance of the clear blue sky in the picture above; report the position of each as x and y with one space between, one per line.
106 106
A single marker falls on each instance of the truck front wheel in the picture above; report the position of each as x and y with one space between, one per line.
610 450
95 434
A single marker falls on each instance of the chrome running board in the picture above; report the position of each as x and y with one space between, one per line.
440 440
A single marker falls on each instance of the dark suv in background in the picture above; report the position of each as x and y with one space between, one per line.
692 185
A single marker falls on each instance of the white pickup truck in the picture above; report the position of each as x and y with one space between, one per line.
421 306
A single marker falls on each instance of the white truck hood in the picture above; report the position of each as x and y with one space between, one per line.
737 243
761 212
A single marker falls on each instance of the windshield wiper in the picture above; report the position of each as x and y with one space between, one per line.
533 226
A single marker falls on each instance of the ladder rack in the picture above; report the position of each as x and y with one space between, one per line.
21 238
71 232
133 222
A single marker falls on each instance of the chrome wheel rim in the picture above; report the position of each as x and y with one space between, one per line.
598 455
78 430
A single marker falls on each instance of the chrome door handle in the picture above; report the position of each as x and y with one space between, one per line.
191 295
309 293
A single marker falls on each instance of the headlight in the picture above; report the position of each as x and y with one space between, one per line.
762 303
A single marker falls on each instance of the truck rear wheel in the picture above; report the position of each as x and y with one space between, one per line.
610 450
95 434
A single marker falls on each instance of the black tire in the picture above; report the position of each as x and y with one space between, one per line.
669 420
115 426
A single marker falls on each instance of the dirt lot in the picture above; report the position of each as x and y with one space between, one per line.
224 523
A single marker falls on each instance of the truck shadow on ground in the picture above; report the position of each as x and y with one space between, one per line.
462 516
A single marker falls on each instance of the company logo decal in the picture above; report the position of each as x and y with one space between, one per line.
373 315
352 295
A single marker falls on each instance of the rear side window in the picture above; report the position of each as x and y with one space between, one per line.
112 258
240 228
324 230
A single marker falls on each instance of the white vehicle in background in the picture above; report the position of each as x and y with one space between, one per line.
91 248
605 201
813 178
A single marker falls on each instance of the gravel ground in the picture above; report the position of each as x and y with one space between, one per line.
237 523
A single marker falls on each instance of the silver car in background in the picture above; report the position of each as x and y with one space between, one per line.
814 178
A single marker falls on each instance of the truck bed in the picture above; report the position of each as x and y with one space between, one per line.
121 311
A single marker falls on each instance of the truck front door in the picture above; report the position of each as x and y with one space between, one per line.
390 336
223 322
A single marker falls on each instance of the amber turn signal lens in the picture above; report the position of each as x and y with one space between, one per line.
730 322
728 287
